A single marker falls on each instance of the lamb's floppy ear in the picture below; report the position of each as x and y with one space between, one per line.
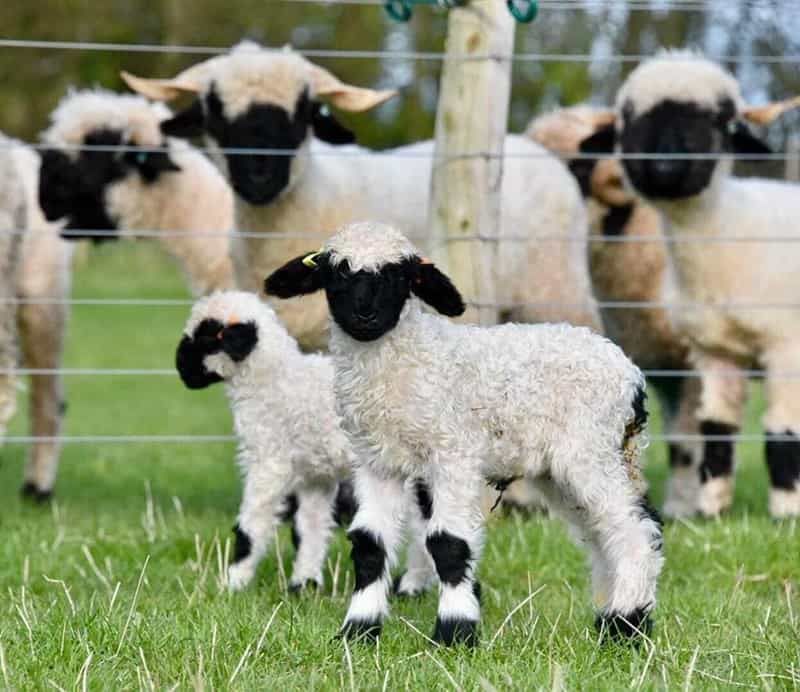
239 340
436 289
328 128
151 164
190 122
745 142
346 96
189 364
764 115
300 276
601 142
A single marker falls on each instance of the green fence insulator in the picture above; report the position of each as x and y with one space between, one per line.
400 10
524 11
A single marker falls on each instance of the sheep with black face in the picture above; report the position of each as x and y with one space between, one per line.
283 412
690 113
309 179
456 406
157 184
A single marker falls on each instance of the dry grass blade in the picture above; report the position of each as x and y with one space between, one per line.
133 607
514 610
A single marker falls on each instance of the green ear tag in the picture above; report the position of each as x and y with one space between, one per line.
309 262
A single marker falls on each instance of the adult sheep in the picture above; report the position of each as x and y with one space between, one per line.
310 180
680 104
156 185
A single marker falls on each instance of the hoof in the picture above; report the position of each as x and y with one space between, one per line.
454 632
31 492
360 630
299 587
631 626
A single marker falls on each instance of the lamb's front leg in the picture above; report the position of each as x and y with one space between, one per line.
455 542
265 487
375 533
312 525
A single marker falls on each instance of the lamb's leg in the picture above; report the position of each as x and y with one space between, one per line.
679 402
259 513
420 573
375 533
455 542
312 528
782 426
722 401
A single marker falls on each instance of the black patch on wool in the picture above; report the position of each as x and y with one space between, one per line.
363 630
639 421
451 556
296 539
717 454
242 546
452 632
678 457
424 499
369 557
30 492
477 590
783 460
345 505
616 219
289 508
630 626
648 511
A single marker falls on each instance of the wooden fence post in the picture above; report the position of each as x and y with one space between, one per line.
471 119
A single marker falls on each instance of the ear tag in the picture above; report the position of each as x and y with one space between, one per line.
733 125
141 157
324 110
309 262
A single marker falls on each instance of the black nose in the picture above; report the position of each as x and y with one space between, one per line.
366 313
668 171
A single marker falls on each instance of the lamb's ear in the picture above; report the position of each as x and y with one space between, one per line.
601 142
300 276
189 364
764 115
151 164
190 122
346 96
239 340
436 289
745 142
328 128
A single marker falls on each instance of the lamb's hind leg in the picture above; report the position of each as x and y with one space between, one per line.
312 528
420 573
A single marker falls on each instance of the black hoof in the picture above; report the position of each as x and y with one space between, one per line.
454 632
631 626
31 492
307 585
360 630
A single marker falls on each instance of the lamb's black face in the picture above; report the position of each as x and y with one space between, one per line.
210 337
366 305
258 178
673 127
75 189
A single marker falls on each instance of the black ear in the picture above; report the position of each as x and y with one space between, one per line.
601 142
434 288
745 142
189 363
190 122
58 182
239 340
151 164
328 128
302 275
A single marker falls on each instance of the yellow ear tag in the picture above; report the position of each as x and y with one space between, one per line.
309 262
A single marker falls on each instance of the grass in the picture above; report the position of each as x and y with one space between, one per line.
119 583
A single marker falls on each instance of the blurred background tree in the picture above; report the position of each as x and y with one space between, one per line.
32 80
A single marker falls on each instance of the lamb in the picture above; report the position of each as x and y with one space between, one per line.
633 272
681 103
36 271
255 97
290 442
176 190
455 406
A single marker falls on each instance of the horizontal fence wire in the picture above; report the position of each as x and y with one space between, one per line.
205 439
171 372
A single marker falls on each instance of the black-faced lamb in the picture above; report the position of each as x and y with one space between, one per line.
290 441
36 271
310 181
176 190
455 406
690 114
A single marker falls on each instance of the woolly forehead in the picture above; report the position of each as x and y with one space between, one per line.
678 76
266 77
368 246
229 307
83 112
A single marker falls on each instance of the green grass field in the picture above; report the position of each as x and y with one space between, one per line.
119 583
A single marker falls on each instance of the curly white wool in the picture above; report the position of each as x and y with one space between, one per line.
196 200
289 435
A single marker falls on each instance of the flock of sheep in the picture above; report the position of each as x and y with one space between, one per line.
420 413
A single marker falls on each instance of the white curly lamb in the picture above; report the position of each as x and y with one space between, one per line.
456 406
283 411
